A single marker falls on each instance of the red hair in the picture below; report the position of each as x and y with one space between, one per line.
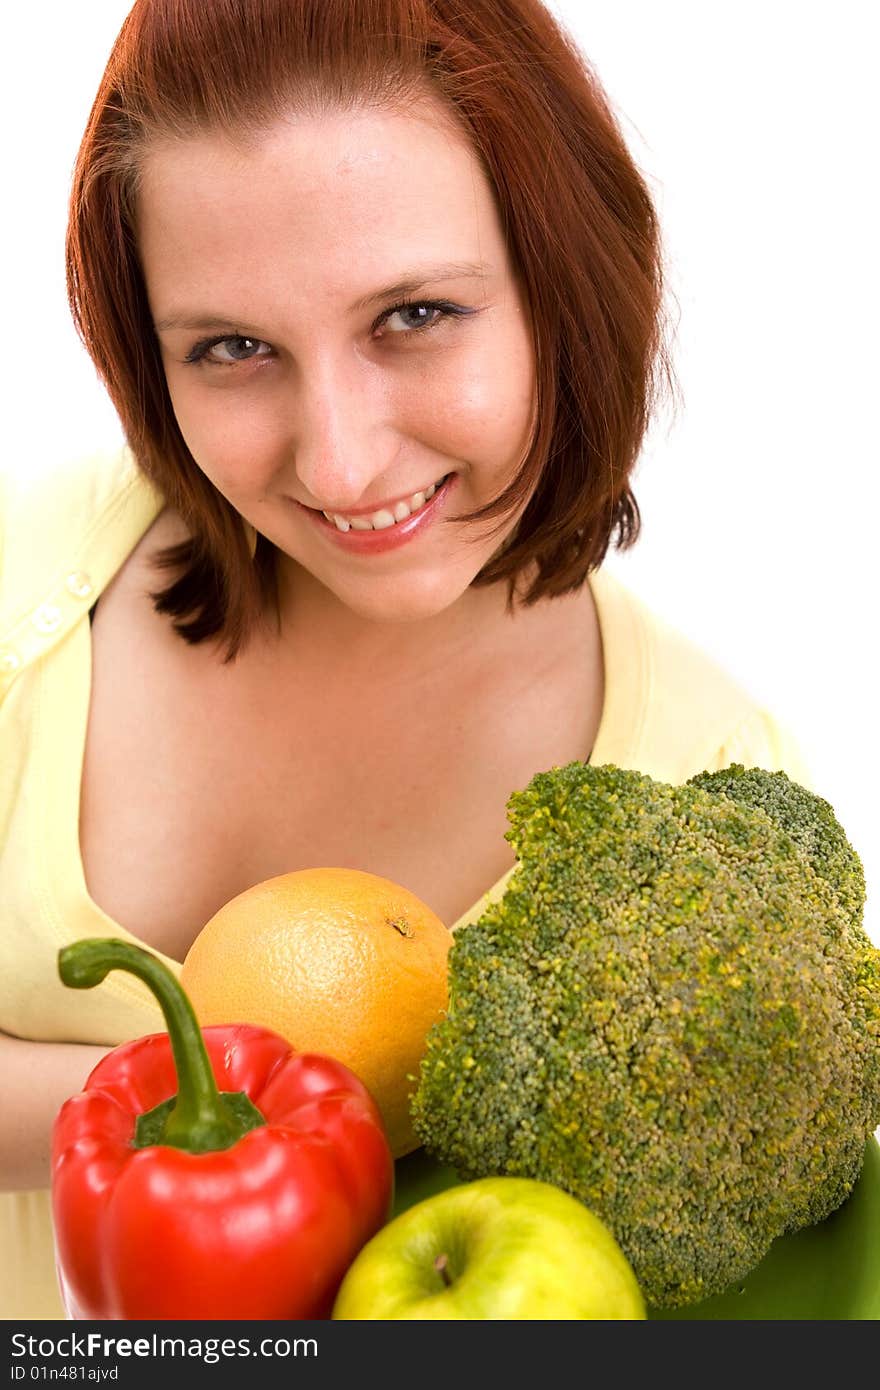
578 219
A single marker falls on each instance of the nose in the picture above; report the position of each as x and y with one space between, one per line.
342 439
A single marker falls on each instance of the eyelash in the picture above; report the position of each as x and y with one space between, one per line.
197 355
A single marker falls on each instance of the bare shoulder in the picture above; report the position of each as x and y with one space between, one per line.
139 575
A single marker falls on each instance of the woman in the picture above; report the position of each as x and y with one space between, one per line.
384 367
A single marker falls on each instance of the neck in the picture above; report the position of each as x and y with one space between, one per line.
476 628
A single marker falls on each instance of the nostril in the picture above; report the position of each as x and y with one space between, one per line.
415 498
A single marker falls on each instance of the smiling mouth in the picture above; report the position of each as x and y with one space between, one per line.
386 517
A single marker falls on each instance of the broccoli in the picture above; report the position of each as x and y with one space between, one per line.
673 1013
809 820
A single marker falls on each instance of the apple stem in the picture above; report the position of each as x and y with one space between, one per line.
440 1264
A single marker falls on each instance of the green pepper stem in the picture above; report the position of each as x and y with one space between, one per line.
200 1120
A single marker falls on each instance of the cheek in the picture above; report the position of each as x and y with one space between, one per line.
230 440
476 406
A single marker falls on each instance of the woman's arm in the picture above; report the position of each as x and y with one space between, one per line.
37 1079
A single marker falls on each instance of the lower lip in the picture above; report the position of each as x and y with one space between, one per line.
392 537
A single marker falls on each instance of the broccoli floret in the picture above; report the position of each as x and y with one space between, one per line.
669 1015
809 820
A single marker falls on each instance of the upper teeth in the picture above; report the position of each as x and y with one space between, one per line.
386 516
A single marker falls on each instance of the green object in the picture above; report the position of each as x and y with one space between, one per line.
807 818
673 1013
826 1272
417 1176
507 1249
199 1118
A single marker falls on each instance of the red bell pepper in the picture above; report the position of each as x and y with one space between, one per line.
173 1199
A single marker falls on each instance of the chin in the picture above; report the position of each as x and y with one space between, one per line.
409 601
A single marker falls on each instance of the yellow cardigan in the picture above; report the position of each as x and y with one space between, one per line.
669 711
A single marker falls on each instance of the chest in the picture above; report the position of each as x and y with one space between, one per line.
199 781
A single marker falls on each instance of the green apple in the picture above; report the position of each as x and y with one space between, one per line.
498 1248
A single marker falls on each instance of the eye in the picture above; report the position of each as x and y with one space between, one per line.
227 351
413 316
417 315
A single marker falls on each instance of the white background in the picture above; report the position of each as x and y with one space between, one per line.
756 127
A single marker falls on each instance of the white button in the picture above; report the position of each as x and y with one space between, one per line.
47 618
9 661
79 584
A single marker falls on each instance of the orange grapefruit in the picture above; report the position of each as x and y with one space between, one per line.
337 961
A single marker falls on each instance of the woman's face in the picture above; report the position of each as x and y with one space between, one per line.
343 333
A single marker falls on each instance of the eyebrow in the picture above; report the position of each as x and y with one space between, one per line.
426 275
411 283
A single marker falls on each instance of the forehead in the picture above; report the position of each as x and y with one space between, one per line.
346 195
